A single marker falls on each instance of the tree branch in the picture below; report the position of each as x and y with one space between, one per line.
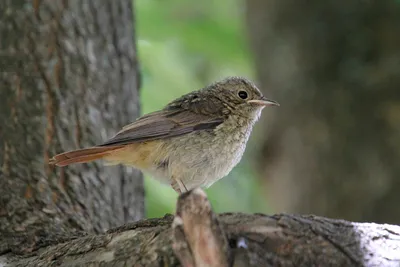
198 237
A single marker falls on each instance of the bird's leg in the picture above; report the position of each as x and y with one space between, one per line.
178 186
175 186
181 186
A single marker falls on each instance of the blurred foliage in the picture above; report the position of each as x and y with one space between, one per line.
183 46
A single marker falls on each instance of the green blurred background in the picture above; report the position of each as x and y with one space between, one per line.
183 46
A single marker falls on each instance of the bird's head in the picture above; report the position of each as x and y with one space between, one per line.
242 96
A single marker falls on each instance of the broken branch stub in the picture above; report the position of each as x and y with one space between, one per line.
198 239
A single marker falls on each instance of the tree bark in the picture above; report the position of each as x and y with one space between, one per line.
198 237
68 80
333 147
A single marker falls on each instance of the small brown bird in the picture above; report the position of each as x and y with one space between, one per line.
194 141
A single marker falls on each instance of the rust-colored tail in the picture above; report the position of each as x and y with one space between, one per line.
82 155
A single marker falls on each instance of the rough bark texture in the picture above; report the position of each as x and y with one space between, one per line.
333 147
198 237
67 80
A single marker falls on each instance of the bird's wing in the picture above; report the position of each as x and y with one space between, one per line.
164 124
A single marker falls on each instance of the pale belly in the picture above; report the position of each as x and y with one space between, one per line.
202 158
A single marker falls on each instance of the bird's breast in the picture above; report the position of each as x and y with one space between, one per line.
204 157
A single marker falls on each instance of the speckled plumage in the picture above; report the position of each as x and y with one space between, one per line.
194 141
203 163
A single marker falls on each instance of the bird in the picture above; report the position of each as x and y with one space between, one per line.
192 142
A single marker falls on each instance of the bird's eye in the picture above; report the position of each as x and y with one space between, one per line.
242 94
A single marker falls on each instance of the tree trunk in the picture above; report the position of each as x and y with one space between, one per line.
68 80
333 147
198 237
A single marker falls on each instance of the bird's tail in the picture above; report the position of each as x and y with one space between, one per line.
83 155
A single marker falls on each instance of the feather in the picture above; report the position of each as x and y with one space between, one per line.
82 155
170 122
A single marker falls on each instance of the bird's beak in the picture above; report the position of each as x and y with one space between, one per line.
264 102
